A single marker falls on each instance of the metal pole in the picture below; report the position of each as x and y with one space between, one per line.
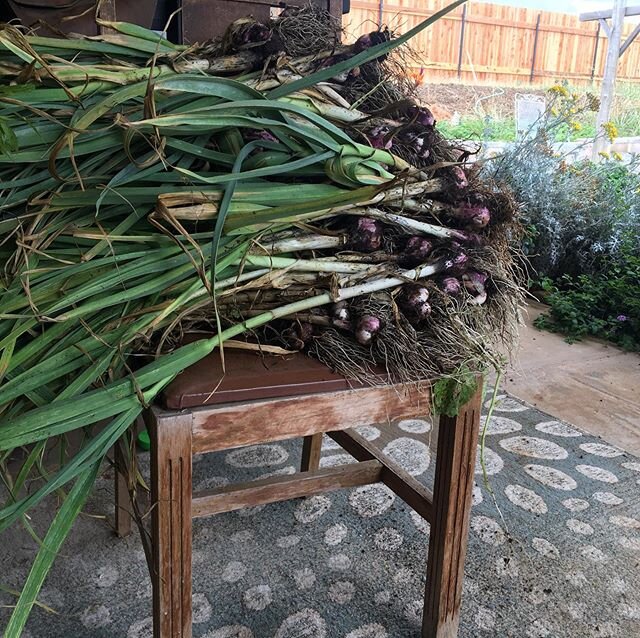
380 10
595 54
462 23
609 78
535 48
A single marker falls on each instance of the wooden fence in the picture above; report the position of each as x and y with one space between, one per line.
481 42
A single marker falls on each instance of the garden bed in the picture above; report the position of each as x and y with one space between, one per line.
488 112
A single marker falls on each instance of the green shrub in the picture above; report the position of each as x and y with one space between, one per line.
583 230
604 305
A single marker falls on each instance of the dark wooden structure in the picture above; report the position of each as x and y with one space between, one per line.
204 19
262 400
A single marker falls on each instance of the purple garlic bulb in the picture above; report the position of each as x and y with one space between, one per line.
456 263
366 235
459 177
413 301
363 43
422 115
451 286
367 328
417 250
475 283
419 144
369 40
473 216
379 137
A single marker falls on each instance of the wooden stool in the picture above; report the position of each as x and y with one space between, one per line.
260 400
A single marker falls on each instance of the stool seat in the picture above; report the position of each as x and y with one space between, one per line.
251 375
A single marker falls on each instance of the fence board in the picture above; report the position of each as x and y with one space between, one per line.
498 42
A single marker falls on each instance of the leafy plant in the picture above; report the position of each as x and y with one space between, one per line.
451 393
604 305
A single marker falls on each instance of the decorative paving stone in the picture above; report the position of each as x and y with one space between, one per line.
600 449
304 578
257 456
546 548
336 534
597 473
556 428
257 598
230 631
551 476
371 500
492 462
415 426
287 541
233 572
413 455
504 403
368 631
501 425
307 623
625 521
201 608
608 498
312 508
534 447
488 530
575 504
526 499
579 527
388 539
485 619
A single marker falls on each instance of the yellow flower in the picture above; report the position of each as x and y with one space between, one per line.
611 130
617 156
603 154
554 111
558 89
575 126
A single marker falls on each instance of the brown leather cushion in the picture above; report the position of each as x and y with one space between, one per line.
250 375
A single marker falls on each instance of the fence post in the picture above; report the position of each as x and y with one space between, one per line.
462 23
595 53
609 77
535 48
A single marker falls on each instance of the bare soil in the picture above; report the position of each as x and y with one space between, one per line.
473 101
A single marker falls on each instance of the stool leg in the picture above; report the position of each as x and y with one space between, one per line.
123 495
455 461
311 448
171 495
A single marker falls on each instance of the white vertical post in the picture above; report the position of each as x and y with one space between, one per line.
609 79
